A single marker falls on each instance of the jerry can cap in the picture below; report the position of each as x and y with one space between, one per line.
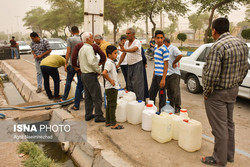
185 120
183 110
149 105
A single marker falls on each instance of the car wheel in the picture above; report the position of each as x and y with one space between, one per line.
193 84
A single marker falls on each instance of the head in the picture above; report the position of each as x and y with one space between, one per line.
153 38
166 41
130 33
111 52
87 37
123 39
74 30
159 37
13 37
98 39
220 26
35 37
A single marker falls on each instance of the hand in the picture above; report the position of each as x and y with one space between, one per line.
65 68
174 65
117 66
38 56
146 65
112 82
205 97
162 83
35 56
122 49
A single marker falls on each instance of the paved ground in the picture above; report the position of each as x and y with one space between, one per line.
137 146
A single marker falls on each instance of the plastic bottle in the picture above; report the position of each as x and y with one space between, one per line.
176 122
168 108
134 111
190 135
147 115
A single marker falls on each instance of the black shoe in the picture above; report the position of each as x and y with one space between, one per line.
51 97
89 118
102 119
39 90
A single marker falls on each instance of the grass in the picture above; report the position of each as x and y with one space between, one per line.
36 157
188 49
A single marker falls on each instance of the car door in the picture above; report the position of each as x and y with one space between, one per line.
199 63
244 89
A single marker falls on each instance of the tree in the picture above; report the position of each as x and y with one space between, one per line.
197 22
246 34
169 31
182 37
221 6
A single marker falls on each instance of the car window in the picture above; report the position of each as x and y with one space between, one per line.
204 54
57 46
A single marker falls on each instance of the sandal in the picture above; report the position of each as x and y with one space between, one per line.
118 127
107 125
74 108
210 161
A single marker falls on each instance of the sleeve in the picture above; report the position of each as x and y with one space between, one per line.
68 43
165 54
74 55
211 72
107 66
177 52
98 50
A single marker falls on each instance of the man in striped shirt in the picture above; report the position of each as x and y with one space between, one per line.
226 67
161 56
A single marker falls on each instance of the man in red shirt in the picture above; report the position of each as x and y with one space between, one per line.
13 48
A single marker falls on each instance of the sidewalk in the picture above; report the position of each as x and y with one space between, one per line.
134 145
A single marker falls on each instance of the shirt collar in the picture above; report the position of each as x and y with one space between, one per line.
223 36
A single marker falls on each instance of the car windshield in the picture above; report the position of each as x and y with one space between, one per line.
57 46
22 43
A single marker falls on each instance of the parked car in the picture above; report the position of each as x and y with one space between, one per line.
191 71
24 47
58 48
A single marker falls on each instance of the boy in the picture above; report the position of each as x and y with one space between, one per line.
161 56
111 87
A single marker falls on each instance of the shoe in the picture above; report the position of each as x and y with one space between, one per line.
89 118
57 97
51 97
211 161
118 127
39 90
74 108
102 119
230 160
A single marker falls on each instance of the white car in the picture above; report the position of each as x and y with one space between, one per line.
191 71
24 47
58 48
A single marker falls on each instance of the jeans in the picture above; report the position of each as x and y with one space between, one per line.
14 50
79 89
173 91
70 75
39 75
53 72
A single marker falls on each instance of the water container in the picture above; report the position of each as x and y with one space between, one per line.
190 135
147 115
72 89
151 102
121 93
121 113
176 122
134 111
129 96
162 127
62 87
168 108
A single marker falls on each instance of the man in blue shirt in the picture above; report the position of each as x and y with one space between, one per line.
173 76
161 56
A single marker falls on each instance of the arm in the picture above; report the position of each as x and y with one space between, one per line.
178 58
106 76
162 83
33 52
121 59
74 56
98 50
43 54
131 50
67 58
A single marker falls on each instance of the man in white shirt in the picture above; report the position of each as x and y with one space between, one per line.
90 70
135 78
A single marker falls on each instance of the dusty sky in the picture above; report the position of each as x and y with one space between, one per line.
13 11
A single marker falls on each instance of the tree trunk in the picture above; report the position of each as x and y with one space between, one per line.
114 32
151 18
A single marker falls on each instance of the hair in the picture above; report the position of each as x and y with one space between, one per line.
34 34
85 36
98 36
221 25
13 37
123 37
132 30
74 29
159 32
166 40
110 49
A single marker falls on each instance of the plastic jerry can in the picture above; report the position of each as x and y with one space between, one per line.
168 108
151 102
147 115
134 111
121 112
190 135
129 96
162 127
176 122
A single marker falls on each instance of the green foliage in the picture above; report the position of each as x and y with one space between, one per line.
246 34
182 37
36 156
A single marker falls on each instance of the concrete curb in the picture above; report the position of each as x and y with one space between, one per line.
87 153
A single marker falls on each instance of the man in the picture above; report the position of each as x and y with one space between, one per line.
226 67
161 57
49 67
101 42
90 70
14 48
124 64
79 86
173 76
40 49
71 43
135 78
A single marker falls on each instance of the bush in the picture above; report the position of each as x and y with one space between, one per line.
246 34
